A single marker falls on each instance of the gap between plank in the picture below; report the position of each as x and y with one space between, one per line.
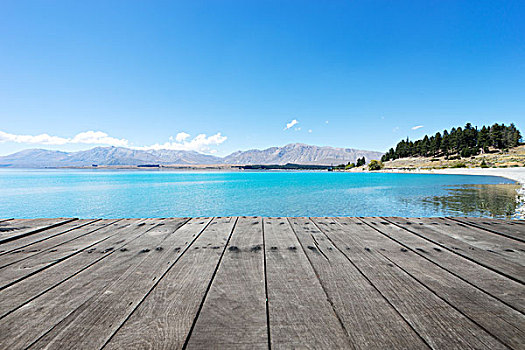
362 273
348 338
486 229
463 256
61 259
46 238
188 336
266 289
14 238
76 273
432 291
451 272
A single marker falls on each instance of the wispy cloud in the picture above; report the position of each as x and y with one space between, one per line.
291 124
417 127
87 137
181 142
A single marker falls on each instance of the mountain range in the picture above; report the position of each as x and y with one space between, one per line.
295 153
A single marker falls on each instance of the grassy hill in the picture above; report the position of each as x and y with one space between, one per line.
514 157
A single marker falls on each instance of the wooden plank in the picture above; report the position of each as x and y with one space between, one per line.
40 261
371 322
23 327
489 260
22 244
234 312
438 323
506 290
57 238
164 319
500 245
514 230
504 323
16 229
21 293
492 220
91 324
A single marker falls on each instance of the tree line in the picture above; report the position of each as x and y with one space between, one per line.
359 162
461 142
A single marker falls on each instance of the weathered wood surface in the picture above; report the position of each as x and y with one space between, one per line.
369 319
15 229
441 234
234 311
300 313
512 229
251 282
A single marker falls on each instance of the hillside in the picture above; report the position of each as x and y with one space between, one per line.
514 157
120 156
298 153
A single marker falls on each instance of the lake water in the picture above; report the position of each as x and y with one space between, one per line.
112 194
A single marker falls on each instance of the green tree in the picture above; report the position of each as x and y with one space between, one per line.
375 165
445 143
484 139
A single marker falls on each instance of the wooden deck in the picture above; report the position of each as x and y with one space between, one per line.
251 282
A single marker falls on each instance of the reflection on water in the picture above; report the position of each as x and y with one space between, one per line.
498 201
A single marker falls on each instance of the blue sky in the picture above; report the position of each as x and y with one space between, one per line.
156 74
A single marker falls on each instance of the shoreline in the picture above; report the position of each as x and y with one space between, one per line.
514 174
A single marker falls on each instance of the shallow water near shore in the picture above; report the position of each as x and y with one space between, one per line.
114 194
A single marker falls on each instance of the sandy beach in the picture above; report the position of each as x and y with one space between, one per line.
516 174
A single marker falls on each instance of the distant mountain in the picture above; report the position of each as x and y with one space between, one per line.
298 153
119 156
39 158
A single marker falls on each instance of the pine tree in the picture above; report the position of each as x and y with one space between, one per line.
464 142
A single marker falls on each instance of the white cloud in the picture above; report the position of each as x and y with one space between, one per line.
417 127
309 130
181 136
395 129
87 137
200 143
99 138
290 124
326 122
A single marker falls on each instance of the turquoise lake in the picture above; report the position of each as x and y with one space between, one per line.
114 194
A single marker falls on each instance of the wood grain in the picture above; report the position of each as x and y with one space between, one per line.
27 324
234 312
503 246
19 270
506 324
514 229
92 323
371 322
23 292
502 288
16 229
251 282
57 238
164 319
483 257
24 244
437 322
